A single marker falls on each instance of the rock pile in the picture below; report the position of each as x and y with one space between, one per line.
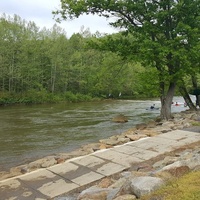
149 175
143 179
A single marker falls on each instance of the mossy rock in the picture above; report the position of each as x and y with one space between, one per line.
120 119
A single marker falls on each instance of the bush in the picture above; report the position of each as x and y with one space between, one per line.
71 97
42 96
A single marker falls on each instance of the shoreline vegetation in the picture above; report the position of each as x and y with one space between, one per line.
43 97
40 97
183 120
36 97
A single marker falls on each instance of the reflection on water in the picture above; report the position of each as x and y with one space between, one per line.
31 132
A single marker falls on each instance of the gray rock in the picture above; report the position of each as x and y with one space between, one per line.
166 161
151 124
141 126
123 184
126 197
194 117
65 198
168 124
145 184
193 162
24 170
198 118
110 141
162 129
119 183
176 164
123 140
169 160
159 164
44 163
48 162
96 193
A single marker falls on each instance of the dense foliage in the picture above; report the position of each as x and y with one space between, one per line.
165 35
43 65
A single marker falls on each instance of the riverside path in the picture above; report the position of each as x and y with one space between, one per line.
78 172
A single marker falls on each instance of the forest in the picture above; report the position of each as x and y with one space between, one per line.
40 65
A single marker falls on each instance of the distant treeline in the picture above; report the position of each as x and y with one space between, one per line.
43 65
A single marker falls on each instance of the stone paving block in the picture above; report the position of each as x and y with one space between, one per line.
162 148
126 149
47 183
173 143
160 140
110 168
64 168
144 144
146 154
78 174
142 154
190 140
57 187
117 157
14 189
182 136
87 178
100 165
158 144
88 161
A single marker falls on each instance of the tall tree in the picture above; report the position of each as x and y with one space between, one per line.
165 32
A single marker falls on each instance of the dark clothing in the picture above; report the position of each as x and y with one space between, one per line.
152 107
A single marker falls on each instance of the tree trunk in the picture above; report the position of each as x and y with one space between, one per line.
198 100
166 102
53 79
187 98
195 86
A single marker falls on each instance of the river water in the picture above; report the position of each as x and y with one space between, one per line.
31 132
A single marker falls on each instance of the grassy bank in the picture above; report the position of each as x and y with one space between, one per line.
185 188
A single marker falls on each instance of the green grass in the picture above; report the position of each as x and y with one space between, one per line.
195 123
185 188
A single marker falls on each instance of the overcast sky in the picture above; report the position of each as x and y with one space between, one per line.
39 11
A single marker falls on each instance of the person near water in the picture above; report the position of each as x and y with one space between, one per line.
153 106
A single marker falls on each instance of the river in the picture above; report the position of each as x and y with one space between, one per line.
29 132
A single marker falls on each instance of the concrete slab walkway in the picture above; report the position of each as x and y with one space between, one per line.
63 178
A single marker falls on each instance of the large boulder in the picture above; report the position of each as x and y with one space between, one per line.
141 126
145 184
191 163
42 163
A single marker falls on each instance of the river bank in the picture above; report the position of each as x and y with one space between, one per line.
172 175
181 120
